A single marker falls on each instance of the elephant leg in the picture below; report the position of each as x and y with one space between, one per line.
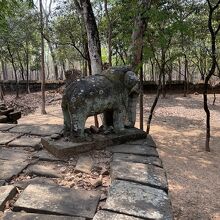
118 119
78 124
108 118
66 117
131 111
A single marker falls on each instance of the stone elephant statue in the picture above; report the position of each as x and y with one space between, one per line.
114 93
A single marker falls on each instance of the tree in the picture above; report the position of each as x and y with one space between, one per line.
213 34
43 110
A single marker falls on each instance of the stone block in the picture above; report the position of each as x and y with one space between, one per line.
147 141
58 200
84 164
44 155
134 149
5 138
138 200
39 130
14 116
6 193
24 141
6 112
32 216
137 159
3 119
102 215
6 127
140 173
48 170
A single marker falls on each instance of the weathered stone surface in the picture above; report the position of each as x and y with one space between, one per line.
24 141
134 149
37 180
105 215
6 127
48 170
31 216
115 92
5 138
14 116
13 155
8 169
6 111
12 162
138 200
64 149
137 159
140 173
6 193
3 119
58 200
44 155
147 141
39 130
84 164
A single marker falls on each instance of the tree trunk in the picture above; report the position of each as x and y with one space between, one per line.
109 33
138 34
141 100
213 34
94 45
4 70
27 67
43 110
154 105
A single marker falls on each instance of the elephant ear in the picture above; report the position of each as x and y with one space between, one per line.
130 79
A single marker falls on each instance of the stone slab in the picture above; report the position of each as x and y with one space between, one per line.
48 170
8 169
147 141
64 149
39 130
137 159
22 184
58 200
44 155
102 215
5 138
6 193
31 216
134 149
24 141
140 173
84 164
138 200
12 154
12 162
6 127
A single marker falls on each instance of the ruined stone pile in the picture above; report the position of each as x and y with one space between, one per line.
8 115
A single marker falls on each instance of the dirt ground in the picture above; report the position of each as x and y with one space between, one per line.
178 127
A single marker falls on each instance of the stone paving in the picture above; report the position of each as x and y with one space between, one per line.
36 185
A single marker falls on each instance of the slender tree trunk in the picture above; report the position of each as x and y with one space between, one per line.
213 34
154 105
43 110
141 99
109 33
4 70
27 67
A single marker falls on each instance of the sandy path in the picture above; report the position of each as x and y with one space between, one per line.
178 127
